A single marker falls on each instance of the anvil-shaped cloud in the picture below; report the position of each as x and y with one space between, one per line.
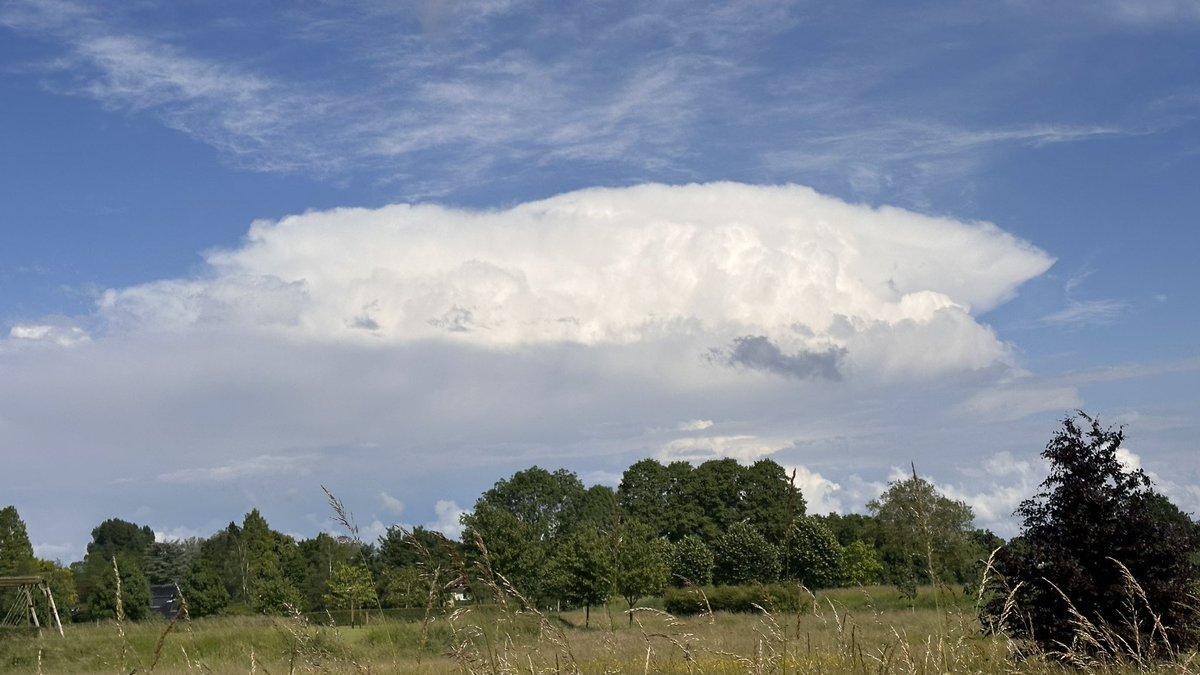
810 282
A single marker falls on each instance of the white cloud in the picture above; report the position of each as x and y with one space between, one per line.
891 292
426 351
448 522
55 334
179 534
391 504
261 465
1013 401
47 551
820 493
701 448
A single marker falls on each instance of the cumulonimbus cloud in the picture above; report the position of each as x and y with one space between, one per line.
817 281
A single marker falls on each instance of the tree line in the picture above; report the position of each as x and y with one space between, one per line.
543 535
542 538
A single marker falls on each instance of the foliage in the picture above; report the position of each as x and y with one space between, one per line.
62 585
924 536
741 555
351 587
16 553
203 590
272 564
275 595
581 572
322 554
860 565
851 527
754 598
690 562
812 555
514 549
115 537
134 592
167 562
1099 543
677 499
404 587
641 566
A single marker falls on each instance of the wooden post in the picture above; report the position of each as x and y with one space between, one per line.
53 608
32 608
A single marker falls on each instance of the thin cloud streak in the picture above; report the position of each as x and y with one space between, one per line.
441 99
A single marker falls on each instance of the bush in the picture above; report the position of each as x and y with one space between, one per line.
1100 544
742 555
773 597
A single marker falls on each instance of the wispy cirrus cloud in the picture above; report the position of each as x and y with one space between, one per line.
443 95
1084 312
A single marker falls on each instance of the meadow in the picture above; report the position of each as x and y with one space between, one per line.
866 630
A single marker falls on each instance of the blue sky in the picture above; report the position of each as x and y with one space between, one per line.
846 236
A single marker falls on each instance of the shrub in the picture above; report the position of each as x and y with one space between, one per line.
773 597
1104 565
741 555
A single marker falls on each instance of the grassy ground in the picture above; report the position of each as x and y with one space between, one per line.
844 631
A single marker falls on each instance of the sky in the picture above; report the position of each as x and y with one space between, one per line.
405 249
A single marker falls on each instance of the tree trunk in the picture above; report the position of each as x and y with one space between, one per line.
587 616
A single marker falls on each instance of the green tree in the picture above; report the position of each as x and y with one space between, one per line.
115 537
225 555
322 554
924 536
522 521
167 562
812 555
351 587
405 587
690 562
130 599
16 553
582 570
769 500
716 488
852 527
272 563
203 590
641 566
1094 521
513 550
742 555
860 565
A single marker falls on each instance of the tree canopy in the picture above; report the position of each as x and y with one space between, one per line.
1097 540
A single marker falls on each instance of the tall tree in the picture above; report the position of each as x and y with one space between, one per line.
128 598
769 500
273 563
582 569
1094 529
924 536
522 521
641 566
351 587
16 553
203 590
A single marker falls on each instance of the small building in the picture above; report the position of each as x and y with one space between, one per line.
164 599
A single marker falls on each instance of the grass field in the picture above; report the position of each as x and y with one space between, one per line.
844 631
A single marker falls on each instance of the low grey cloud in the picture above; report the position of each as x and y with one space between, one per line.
757 352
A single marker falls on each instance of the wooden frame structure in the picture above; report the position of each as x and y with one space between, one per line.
25 586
